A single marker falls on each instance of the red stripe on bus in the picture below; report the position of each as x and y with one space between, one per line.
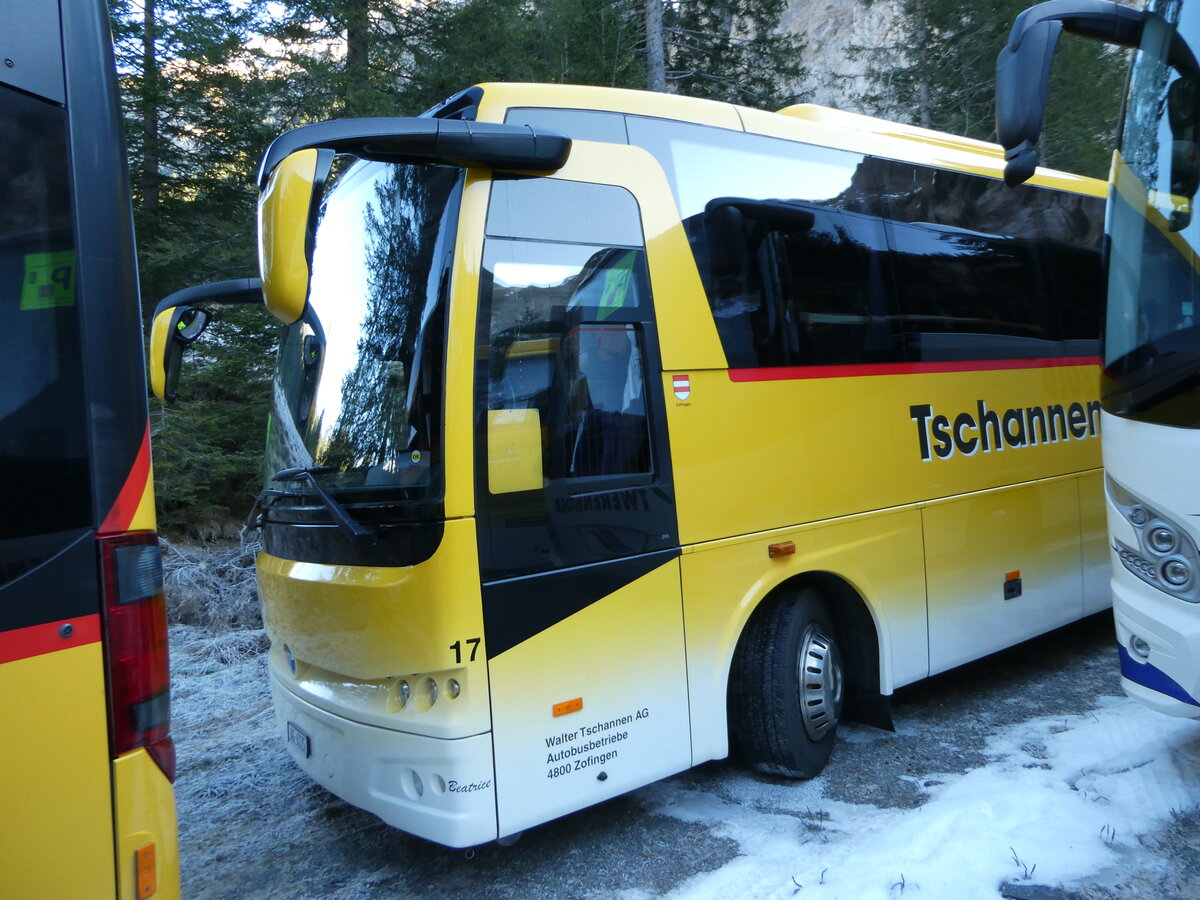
126 505
49 637
792 373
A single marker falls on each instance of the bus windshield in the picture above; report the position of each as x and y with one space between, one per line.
1151 364
358 387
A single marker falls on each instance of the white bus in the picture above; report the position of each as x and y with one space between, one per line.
1150 375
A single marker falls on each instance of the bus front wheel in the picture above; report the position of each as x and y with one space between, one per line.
787 687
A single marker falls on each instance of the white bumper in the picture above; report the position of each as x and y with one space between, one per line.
1169 680
438 789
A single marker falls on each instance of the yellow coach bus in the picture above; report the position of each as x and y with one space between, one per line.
86 758
611 430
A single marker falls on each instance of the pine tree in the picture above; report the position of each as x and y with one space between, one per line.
199 105
732 50
940 73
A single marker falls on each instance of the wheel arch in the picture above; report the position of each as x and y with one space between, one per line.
859 637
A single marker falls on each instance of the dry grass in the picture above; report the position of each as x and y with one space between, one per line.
212 588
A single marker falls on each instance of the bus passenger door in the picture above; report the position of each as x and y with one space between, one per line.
577 534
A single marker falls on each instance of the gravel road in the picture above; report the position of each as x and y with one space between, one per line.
252 825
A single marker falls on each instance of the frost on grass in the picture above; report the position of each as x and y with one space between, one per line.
213 589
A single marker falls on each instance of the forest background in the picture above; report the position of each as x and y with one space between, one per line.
206 85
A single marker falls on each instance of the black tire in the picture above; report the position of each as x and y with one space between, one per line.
787 687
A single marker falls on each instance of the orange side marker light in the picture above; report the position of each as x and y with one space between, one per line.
568 706
1013 576
785 548
146 864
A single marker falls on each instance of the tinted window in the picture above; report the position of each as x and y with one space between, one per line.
898 263
966 270
566 368
980 269
550 210
579 124
796 277
43 441
560 340
798 285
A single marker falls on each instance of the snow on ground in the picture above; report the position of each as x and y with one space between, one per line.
1064 800
1027 769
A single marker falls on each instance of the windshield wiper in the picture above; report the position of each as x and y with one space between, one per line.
355 529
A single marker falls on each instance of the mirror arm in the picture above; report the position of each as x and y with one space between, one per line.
426 140
233 291
1023 68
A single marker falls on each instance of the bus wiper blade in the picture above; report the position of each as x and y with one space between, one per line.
356 530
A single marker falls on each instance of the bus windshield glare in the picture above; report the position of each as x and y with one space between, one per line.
359 379
1150 357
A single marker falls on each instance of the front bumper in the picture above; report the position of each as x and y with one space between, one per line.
1168 680
435 788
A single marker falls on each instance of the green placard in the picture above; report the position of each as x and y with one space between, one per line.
49 280
617 281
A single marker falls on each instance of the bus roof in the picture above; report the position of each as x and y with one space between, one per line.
804 122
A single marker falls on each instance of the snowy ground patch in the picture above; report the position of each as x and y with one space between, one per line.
1064 799
1028 768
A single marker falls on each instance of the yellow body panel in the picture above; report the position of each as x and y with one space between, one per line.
364 630
548 765
880 555
760 455
458 448
145 815
972 543
144 517
283 209
55 788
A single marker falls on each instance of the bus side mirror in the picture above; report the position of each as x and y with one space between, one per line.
285 209
1023 69
291 179
174 329
514 439
179 320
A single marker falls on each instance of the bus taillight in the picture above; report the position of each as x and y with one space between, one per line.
136 626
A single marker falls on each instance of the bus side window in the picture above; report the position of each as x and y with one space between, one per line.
563 292
791 293
967 254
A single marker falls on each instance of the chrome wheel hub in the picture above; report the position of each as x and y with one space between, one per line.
819 678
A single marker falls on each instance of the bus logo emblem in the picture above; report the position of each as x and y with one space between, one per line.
683 386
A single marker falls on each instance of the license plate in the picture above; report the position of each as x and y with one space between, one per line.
298 739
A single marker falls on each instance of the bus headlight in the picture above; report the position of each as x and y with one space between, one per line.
1177 572
1161 539
1157 536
